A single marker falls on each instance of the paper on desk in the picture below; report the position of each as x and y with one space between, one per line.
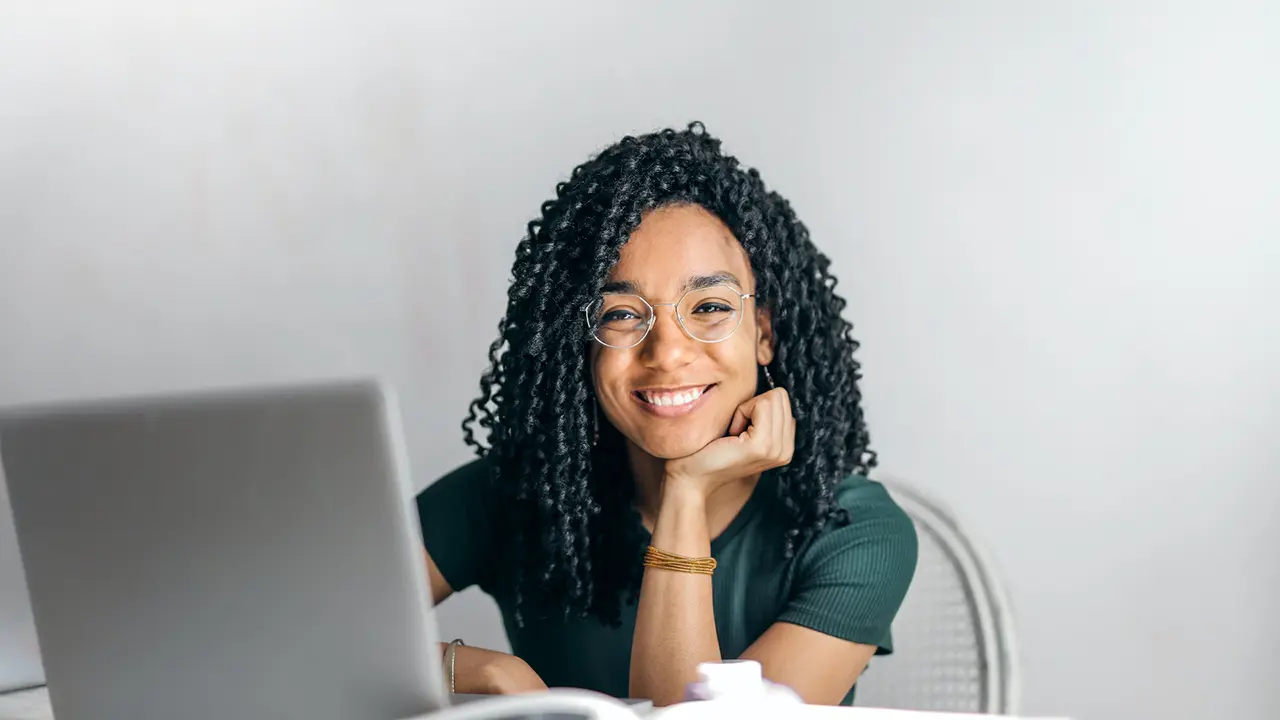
768 711
815 712
26 705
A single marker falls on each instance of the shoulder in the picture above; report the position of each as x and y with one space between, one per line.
872 536
470 479
460 500
868 500
853 575
456 517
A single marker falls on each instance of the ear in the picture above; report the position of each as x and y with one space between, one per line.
764 336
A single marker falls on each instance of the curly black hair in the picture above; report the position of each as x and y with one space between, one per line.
577 541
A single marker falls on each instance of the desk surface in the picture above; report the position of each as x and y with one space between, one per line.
34 705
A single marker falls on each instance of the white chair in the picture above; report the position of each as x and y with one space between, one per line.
953 639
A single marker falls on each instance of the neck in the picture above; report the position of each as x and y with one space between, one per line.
723 504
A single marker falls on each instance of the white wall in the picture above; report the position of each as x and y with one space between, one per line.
1056 224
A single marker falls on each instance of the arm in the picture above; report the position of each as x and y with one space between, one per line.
458 534
853 579
675 624
825 637
819 667
850 583
675 620
480 671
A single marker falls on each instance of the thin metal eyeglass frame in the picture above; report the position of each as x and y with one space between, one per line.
675 306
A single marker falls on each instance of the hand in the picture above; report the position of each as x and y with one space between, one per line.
762 436
488 672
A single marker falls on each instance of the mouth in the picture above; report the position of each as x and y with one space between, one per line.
672 402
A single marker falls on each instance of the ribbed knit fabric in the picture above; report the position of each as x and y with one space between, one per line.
847 581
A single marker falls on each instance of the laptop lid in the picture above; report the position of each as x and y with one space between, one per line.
19 652
250 553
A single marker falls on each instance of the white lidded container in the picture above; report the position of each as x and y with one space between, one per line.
734 680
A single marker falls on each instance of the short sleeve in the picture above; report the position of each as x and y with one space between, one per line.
851 580
457 527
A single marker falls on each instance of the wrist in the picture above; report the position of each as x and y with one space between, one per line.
683 492
509 675
681 525
487 672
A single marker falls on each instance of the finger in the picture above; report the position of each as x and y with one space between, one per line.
742 416
781 441
740 420
780 424
769 407
788 427
786 403
789 437
762 428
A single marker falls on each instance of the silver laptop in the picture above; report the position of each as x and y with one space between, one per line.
19 650
248 554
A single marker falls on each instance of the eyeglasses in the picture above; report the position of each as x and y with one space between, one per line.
708 315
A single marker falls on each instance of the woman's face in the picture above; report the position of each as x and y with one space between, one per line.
671 395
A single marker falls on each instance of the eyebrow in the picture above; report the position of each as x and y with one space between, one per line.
697 282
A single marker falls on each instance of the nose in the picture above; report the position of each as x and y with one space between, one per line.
667 346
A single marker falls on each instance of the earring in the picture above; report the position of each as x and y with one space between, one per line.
767 377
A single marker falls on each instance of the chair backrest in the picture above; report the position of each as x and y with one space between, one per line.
953 638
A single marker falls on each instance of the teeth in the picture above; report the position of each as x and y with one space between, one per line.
668 399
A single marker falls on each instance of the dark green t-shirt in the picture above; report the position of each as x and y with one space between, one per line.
846 581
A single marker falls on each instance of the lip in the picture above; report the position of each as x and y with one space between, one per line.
671 411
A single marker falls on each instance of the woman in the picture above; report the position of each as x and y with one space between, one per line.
676 457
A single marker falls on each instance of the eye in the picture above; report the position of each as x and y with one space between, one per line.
618 315
712 306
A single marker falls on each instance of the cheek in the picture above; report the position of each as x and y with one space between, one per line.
608 373
737 364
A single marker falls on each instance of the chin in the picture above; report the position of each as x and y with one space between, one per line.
670 448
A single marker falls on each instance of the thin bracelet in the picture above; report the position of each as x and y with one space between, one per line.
453 655
663 560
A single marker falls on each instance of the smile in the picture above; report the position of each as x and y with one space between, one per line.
670 402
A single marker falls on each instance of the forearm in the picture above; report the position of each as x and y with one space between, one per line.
675 620
489 672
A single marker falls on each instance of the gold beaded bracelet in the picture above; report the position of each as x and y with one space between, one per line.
663 560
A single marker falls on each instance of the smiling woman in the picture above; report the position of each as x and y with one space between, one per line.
676 463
